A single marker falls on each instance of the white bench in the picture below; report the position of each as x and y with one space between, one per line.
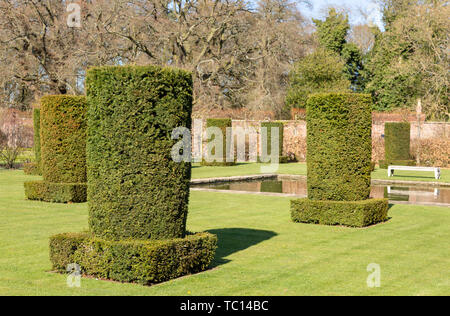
436 170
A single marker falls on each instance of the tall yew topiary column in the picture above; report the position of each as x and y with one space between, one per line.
138 196
63 128
339 163
397 145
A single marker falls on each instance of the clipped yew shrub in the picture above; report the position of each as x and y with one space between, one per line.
136 190
339 162
63 127
34 168
225 126
266 143
339 146
397 145
138 196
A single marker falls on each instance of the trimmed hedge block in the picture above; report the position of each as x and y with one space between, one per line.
339 146
137 261
63 138
32 169
136 190
397 145
339 163
268 142
223 125
63 127
384 164
347 213
56 192
397 139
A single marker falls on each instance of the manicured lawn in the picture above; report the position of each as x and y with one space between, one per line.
242 169
199 172
261 251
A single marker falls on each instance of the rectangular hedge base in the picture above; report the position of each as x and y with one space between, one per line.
56 192
133 261
345 213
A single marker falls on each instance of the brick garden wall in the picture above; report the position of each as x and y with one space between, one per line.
434 139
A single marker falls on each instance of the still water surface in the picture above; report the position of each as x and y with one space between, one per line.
413 194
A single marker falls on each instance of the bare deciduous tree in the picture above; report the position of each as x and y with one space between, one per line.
12 137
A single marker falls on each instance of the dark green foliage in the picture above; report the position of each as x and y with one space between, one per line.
144 262
391 85
32 169
354 67
397 139
384 164
37 138
339 146
332 35
136 190
333 31
319 72
268 142
348 213
56 192
63 138
223 124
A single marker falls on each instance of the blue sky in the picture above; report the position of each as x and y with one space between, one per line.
352 6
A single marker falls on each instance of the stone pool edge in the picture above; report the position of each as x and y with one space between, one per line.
293 177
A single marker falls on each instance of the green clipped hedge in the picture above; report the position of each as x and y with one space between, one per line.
339 163
268 142
137 261
223 124
32 169
63 138
37 139
397 139
339 146
347 213
63 127
135 188
56 192
384 164
397 145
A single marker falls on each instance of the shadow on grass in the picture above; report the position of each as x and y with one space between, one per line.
232 240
